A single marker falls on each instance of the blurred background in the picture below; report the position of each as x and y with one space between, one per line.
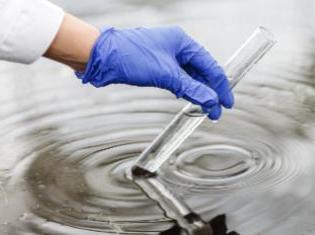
65 146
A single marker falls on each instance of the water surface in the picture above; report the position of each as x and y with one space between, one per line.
65 147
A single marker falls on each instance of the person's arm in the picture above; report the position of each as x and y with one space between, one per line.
162 57
31 28
73 43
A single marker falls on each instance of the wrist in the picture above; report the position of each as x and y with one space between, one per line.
73 44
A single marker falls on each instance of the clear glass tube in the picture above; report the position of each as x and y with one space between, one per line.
188 119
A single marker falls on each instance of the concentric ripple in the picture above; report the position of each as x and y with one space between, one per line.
76 177
226 165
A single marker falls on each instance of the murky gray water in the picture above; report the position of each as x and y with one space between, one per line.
65 147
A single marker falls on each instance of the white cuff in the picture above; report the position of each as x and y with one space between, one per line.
27 28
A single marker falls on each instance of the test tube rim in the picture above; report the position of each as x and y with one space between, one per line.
267 34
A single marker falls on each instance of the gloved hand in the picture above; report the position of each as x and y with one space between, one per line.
164 57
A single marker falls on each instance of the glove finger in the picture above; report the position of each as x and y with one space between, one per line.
200 60
214 113
223 90
213 75
195 91
193 54
196 60
225 94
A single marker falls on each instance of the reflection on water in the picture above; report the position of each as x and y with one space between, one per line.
65 147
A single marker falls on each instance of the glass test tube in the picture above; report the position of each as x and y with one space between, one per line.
191 116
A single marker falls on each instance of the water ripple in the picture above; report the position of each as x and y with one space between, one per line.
66 148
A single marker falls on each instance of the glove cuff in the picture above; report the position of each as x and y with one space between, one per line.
94 63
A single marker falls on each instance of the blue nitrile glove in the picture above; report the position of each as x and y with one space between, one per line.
164 57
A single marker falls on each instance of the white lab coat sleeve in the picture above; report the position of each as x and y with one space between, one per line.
27 28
